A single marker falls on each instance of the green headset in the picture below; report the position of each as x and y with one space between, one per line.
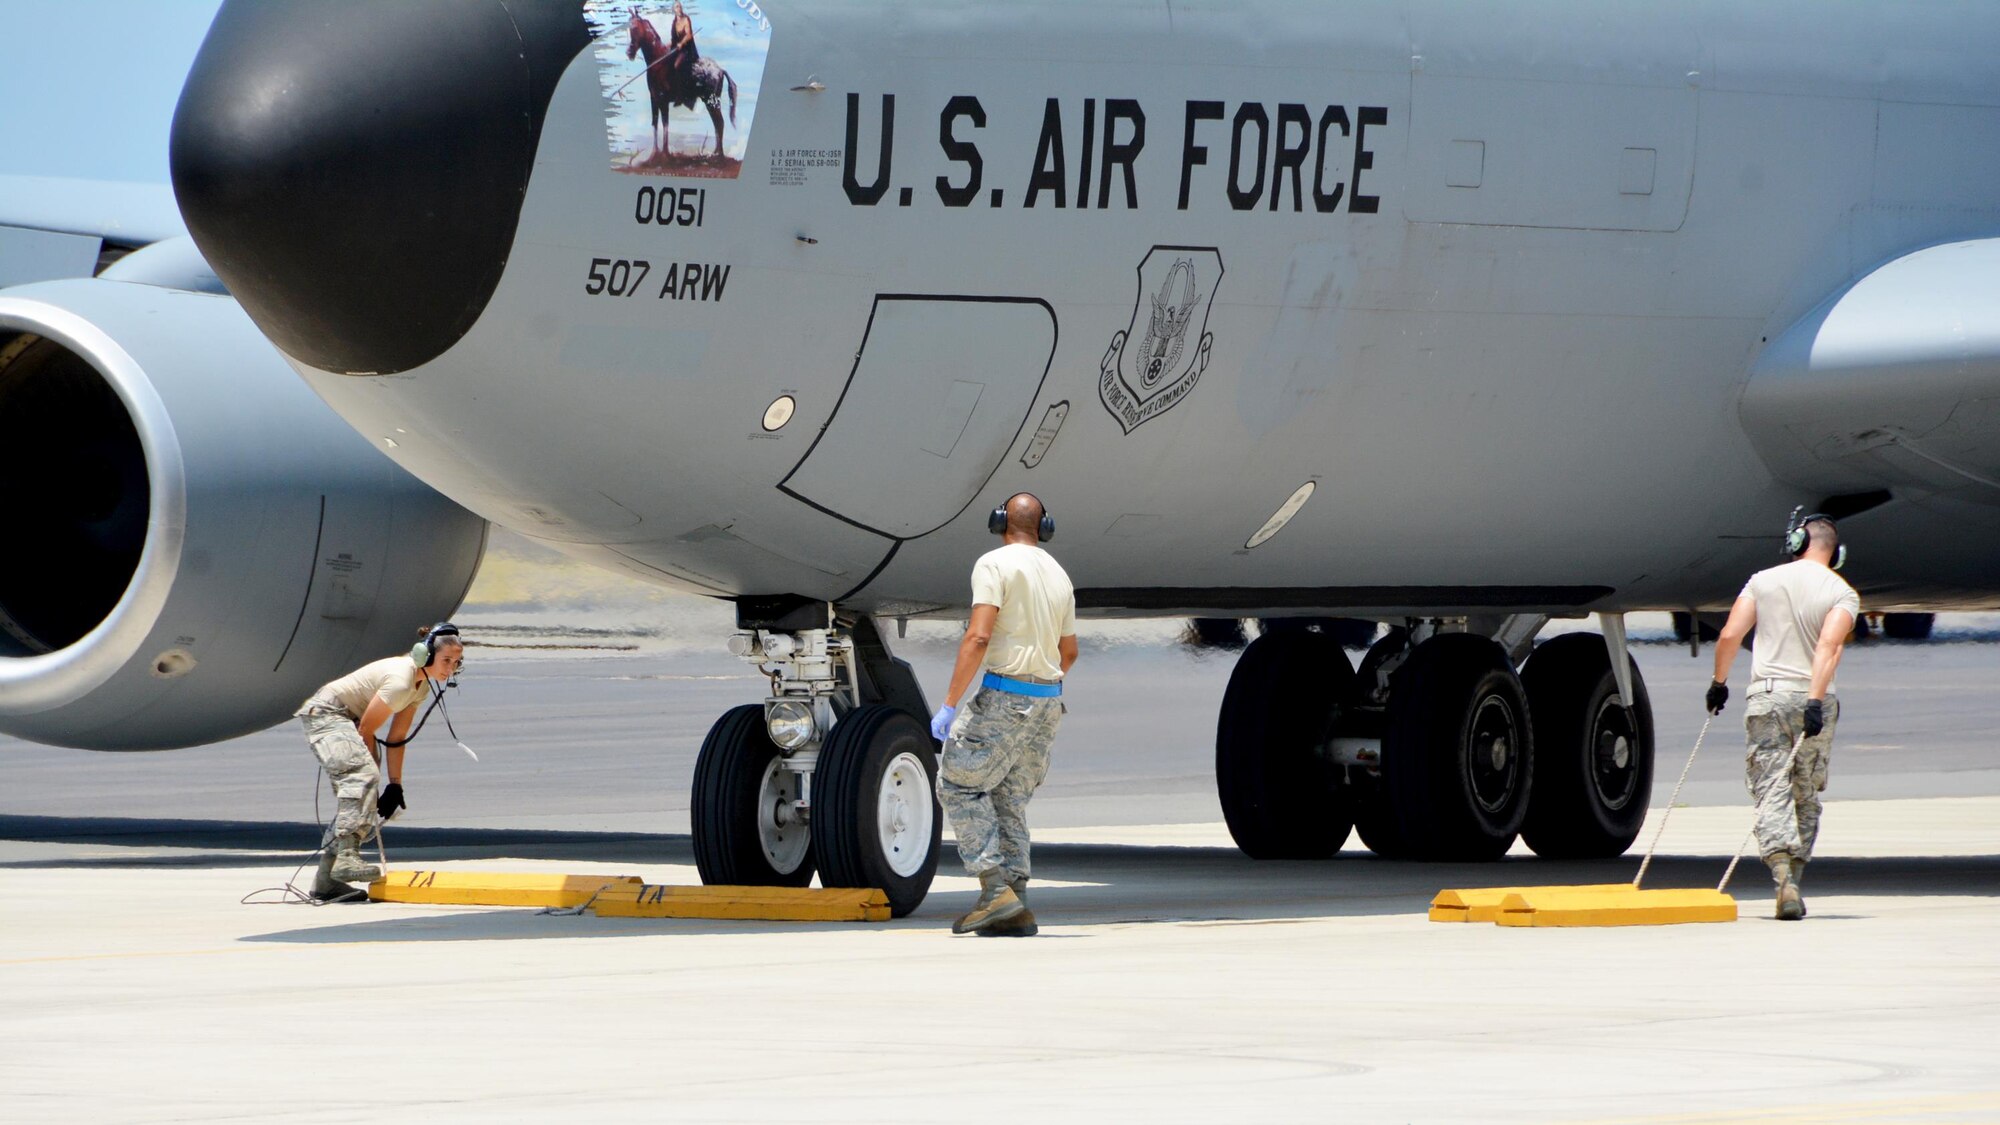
1797 539
425 652
423 655
996 520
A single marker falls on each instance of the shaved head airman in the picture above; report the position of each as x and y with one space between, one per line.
1024 515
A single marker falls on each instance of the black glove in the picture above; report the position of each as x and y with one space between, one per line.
1815 717
1718 694
391 800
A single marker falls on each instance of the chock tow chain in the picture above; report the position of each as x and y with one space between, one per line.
1791 759
1671 802
1730 872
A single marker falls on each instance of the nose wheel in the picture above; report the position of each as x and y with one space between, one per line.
876 821
747 830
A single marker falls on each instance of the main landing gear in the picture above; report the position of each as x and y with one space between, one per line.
1436 748
835 772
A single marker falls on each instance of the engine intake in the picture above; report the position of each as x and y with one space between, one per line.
194 541
79 502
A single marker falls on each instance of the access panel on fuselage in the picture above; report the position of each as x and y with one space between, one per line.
1506 152
940 390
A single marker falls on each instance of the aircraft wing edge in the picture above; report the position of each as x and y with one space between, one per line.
124 212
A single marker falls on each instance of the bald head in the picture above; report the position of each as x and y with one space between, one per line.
1024 516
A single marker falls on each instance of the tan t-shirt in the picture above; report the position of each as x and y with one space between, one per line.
1037 609
1792 603
396 680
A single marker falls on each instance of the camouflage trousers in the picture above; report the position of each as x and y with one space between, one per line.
1787 800
995 759
336 742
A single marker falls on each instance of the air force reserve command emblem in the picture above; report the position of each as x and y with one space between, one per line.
1155 362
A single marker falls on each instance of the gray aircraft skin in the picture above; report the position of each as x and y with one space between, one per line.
1458 311
1633 285
1600 296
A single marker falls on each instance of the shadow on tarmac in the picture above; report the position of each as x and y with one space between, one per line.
1109 885
285 842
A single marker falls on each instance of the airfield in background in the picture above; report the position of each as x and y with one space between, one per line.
587 696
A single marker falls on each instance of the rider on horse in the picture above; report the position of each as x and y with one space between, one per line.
681 51
678 75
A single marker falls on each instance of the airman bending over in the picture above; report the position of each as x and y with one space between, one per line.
341 721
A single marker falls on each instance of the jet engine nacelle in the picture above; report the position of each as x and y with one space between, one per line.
190 540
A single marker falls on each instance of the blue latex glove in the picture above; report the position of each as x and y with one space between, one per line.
941 723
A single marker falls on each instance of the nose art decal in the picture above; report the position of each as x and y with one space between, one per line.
680 82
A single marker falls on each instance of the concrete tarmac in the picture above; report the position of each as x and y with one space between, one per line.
1174 980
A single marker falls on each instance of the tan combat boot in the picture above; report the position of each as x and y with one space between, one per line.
997 901
326 888
349 867
1791 907
1020 925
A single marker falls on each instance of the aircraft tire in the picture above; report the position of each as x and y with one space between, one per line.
1908 626
1214 632
1685 628
1351 632
876 820
1281 799
1593 777
1375 821
732 787
1458 752
1374 818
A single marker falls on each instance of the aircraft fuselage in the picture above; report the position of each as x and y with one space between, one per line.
1491 281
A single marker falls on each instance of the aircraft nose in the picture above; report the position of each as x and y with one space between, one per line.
353 170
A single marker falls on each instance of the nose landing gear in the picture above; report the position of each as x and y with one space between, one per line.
749 826
834 772
878 820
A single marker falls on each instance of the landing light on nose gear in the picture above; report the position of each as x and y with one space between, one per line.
835 771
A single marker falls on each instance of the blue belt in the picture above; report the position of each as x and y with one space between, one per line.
999 682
